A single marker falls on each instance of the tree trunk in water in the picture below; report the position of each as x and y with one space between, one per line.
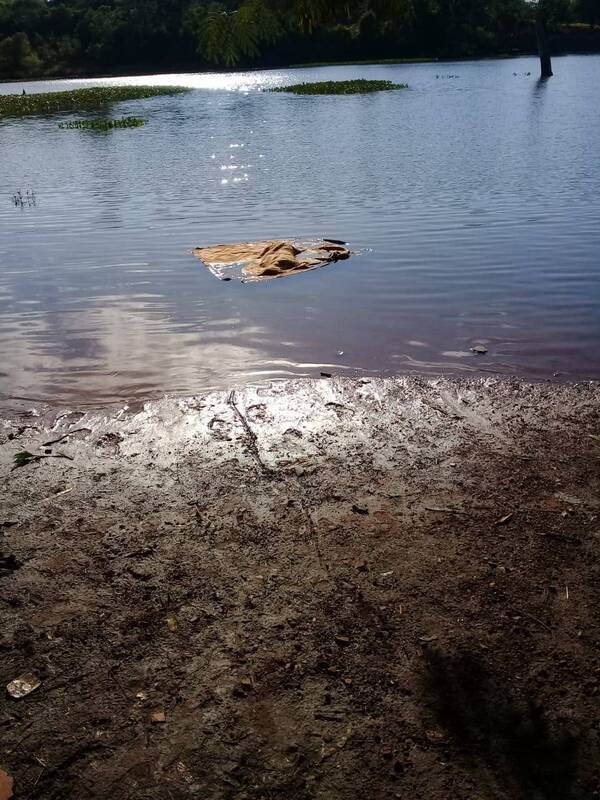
543 49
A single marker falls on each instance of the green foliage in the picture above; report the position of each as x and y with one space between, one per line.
17 56
17 105
588 11
341 87
554 12
58 37
102 124
23 458
227 36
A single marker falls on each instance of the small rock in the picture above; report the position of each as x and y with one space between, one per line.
326 374
243 687
172 624
435 735
23 685
158 717
479 349
343 641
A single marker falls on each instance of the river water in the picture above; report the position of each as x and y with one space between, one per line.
472 200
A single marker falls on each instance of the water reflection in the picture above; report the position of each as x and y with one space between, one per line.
472 202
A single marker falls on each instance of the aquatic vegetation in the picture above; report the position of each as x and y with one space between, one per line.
102 124
18 105
360 86
21 200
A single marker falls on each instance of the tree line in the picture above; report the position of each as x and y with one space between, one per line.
70 37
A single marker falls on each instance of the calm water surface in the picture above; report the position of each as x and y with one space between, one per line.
473 201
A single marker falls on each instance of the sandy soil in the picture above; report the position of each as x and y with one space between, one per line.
324 589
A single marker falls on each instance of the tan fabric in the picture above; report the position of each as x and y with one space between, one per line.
271 259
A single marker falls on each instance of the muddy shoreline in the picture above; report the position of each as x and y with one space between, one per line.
319 589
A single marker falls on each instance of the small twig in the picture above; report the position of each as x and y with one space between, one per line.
58 494
446 510
64 436
23 737
442 411
40 773
541 510
252 438
535 619
314 535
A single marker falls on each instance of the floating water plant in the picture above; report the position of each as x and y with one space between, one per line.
21 200
102 124
18 105
360 86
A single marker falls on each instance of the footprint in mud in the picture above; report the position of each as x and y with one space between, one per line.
110 442
257 412
220 429
9 564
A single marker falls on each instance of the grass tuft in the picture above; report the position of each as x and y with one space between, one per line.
102 124
360 86
18 105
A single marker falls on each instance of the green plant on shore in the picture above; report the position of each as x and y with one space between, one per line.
18 105
24 457
360 86
102 124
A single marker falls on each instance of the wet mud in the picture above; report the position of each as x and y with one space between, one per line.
317 589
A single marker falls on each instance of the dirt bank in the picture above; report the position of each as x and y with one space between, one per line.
323 589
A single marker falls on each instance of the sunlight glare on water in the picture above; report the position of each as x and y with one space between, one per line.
472 203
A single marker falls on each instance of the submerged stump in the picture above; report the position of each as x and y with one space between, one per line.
543 49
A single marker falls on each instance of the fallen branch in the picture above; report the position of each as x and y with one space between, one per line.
64 436
252 438
446 510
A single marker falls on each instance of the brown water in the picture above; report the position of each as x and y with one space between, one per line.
473 202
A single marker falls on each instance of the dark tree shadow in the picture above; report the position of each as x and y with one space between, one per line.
512 746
